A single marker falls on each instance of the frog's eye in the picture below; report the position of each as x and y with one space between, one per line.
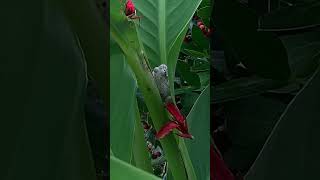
156 70
163 66
165 71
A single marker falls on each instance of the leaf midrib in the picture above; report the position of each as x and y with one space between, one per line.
162 31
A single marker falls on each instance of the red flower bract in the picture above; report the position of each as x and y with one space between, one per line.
166 129
130 9
218 169
174 111
178 123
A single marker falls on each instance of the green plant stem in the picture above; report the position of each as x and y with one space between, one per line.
154 103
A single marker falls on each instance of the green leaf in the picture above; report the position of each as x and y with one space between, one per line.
162 30
303 52
161 25
198 149
292 149
292 18
242 87
261 52
140 153
194 53
199 41
43 92
122 170
87 22
184 90
204 78
187 101
204 11
185 71
122 99
250 121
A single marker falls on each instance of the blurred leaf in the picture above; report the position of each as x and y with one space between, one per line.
184 90
43 91
87 23
289 88
292 149
122 170
304 52
261 52
204 78
242 87
194 53
250 121
200 66
122 100
191 77
199 41
187 101
199 126
204 12
292 18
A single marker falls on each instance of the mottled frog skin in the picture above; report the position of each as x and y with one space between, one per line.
160 75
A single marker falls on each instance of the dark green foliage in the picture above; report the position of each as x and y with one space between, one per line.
270 115
43 91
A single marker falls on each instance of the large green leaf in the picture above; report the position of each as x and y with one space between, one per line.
250 121
43 77
122 101
292 18
261 52
162 30
240 88
292 149
303 52
199 126
122 170
161 25
87 22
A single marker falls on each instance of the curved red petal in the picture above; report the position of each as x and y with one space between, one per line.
166 129
174 111
185 135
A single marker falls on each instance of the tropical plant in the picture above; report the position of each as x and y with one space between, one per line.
140 41
266 97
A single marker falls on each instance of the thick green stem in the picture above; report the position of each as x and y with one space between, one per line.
154 103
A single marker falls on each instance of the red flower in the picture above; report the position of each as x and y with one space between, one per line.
130 9
218 169
178 123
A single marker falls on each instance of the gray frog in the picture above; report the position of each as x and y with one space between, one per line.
160 75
